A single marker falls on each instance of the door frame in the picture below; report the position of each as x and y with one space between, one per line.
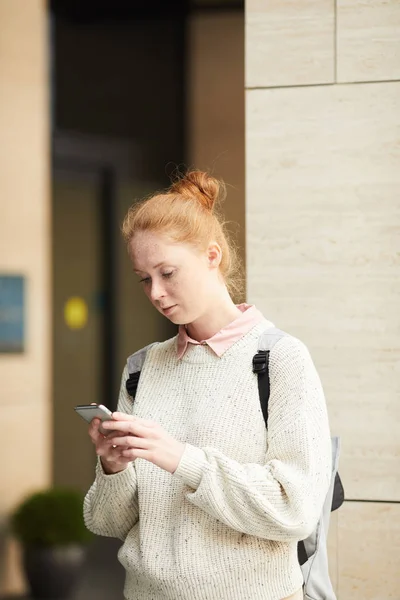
111 161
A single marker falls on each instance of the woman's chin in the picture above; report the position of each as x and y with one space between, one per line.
173 314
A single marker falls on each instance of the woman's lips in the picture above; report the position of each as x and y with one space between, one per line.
167 311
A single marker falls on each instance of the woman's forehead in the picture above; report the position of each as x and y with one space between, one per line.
149 250
147 242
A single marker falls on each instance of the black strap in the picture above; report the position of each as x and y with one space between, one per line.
260 366
301 553
132 383
338 493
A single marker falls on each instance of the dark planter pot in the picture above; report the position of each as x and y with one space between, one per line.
53 572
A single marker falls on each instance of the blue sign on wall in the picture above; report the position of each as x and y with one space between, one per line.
11 313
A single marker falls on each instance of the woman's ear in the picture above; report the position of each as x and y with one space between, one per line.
214 254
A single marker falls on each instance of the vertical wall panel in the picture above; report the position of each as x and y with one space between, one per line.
289 43
368 40
323 231
25 403
369 551
323 240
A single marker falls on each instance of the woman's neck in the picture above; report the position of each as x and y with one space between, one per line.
214 320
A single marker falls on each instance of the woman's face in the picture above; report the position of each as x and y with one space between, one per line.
179 281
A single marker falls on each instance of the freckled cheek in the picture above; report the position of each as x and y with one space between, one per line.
173 288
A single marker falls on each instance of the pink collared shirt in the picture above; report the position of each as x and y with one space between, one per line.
226 337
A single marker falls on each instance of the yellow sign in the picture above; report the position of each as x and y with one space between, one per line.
76 313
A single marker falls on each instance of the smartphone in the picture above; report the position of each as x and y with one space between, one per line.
94 411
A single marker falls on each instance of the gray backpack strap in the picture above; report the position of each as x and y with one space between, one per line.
317 583
135 364
266 342
135 361
269 338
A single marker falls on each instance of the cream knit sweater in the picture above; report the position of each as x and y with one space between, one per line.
225 526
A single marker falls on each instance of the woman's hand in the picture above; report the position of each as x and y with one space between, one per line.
139 438
110 454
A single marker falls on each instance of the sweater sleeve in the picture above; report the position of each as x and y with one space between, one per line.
111 505
282 499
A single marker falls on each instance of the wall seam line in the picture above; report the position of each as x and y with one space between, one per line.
317 85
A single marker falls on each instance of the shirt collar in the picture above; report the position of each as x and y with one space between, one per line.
227 336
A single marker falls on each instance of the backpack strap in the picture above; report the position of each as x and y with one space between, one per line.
335 496
267 341
135 364
317 583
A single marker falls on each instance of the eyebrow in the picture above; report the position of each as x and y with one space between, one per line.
155 267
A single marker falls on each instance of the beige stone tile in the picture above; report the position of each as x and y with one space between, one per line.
323 255
368 40
361 387
24 249
289 43
25 447
25 209
369 551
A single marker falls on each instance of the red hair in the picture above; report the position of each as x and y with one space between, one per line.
188 213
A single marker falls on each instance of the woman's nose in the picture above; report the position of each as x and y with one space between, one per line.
157 291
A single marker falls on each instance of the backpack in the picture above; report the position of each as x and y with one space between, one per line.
312 552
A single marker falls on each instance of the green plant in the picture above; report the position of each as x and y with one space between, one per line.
51 517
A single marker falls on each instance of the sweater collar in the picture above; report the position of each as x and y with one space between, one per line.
221 341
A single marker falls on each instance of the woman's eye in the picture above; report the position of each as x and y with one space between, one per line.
146 280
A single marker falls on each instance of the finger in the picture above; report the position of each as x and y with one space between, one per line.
93 429
100 440
114 433
111 453
117 458
133 453
133 427
94 423
128 441
120 416
105 431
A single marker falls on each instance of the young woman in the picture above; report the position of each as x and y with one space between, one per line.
208 504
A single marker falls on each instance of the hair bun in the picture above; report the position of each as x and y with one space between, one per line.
199 185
